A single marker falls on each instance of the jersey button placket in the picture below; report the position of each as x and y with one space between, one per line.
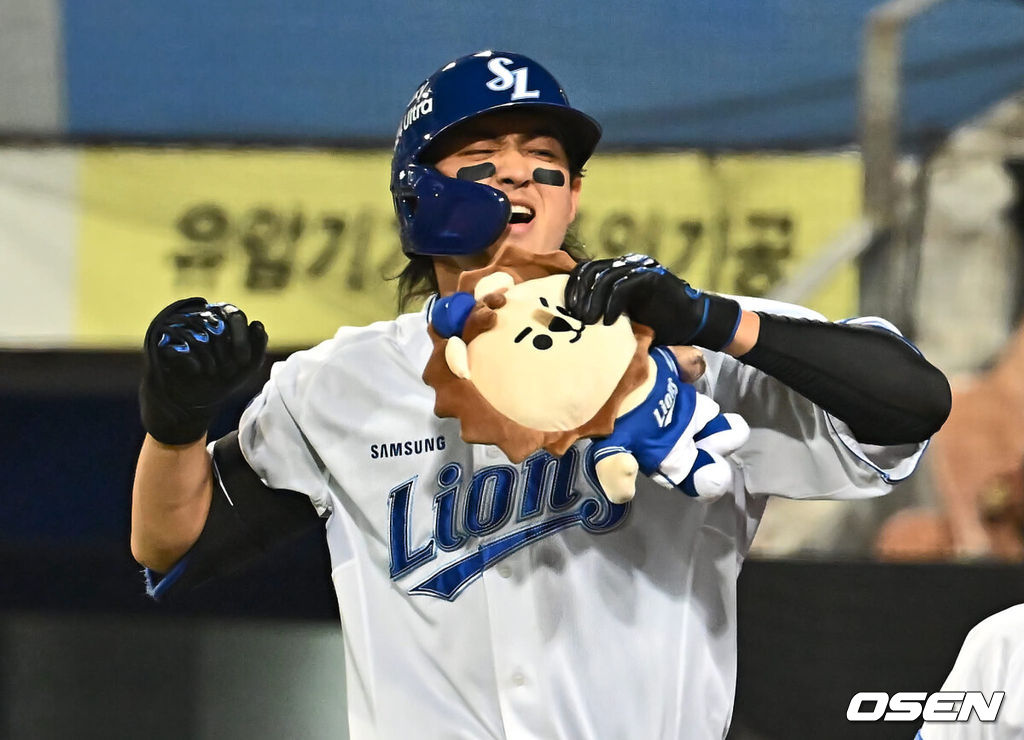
512 613
513 623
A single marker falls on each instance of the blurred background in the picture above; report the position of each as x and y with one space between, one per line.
857 157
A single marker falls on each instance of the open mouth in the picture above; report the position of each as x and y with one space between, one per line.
521 215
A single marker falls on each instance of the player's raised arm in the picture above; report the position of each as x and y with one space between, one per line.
870 378
170 501
196 355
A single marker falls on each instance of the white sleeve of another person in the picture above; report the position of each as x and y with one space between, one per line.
991 659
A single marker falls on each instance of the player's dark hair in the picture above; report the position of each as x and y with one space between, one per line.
418 279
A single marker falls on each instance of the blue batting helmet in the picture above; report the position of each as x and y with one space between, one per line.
439 215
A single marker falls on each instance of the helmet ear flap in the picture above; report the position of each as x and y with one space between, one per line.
441 215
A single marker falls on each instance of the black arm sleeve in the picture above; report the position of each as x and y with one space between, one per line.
246 520
870 378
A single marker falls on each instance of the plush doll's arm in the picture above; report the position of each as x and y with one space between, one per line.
695 461
676 436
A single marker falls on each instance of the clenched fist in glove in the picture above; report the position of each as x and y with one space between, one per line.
195 355
649 294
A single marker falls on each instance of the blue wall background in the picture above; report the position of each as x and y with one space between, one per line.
749 73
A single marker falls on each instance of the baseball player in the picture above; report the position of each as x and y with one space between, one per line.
482 599
991 661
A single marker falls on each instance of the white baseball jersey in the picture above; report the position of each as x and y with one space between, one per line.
481 599
991 659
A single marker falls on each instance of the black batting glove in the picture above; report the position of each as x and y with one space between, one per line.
195 355
647 293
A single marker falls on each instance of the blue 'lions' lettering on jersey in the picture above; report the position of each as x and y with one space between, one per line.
467 510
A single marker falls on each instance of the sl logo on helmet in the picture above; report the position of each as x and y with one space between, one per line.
506 78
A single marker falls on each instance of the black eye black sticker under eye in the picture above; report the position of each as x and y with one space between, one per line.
476 172
549 177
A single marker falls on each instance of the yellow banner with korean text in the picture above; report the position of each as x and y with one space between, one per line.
304 240
735 224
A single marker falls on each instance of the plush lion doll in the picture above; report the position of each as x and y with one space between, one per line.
519 372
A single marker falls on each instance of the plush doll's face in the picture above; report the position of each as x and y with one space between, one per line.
541 367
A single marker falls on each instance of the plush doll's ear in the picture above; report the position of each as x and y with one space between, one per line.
457 357
493 283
